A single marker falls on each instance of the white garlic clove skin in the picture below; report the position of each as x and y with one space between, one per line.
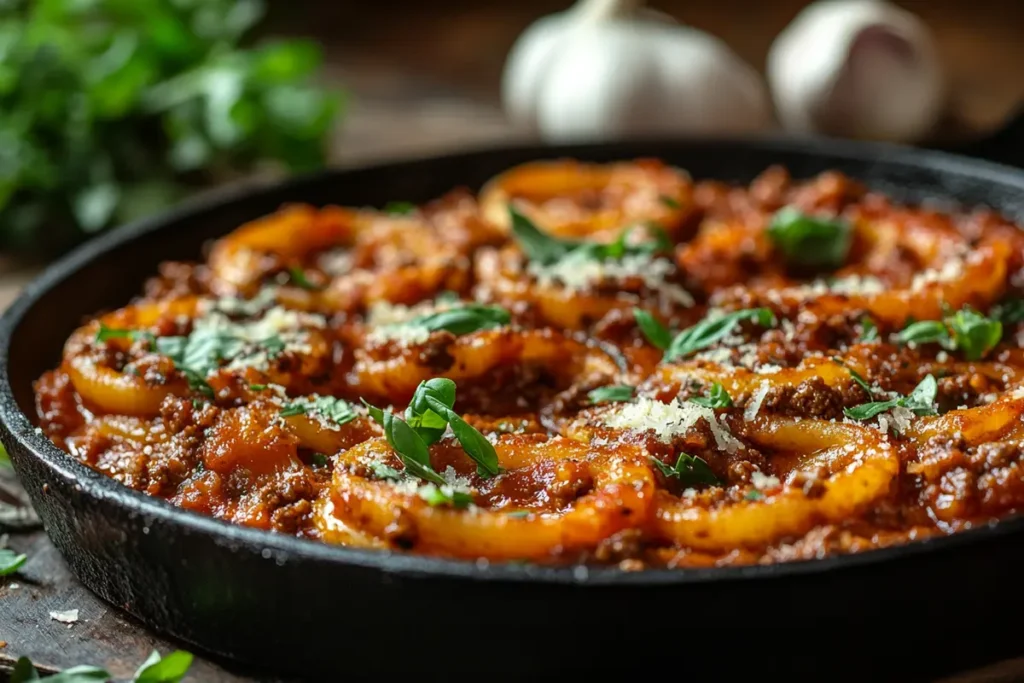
861 69
525 67
641 78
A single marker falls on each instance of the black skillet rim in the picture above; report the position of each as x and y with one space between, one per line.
17 426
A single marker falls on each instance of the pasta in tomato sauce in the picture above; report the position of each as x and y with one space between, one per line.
597 363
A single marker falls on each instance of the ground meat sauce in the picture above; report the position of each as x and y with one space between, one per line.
598 363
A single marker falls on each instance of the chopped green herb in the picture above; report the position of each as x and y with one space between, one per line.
106 333
710 330
974 334
334 409
965 330
444 495
669 202
428 416
319 460
611 394
382 471
169 669
868 330
717 397
656 333
399 208
1009 311
689 470
10 561
206 348
921 401
257 387
810 241
547 250
462 319
753 494
298 276
519 514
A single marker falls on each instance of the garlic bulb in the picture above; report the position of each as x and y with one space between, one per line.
857 68
612 68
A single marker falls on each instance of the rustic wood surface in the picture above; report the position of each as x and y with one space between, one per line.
428 83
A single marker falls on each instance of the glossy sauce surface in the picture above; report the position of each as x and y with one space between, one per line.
663 372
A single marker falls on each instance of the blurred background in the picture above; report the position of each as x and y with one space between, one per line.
115 109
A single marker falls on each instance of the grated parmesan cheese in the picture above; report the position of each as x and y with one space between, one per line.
669 420
762 481
754 405
577 274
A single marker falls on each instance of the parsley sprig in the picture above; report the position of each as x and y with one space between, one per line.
966 330
810 241
920 401
689 470
717 397
700 336
427 418
546 250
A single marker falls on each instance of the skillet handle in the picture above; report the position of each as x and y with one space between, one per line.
1004 146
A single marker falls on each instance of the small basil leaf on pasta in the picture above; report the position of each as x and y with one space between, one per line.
330 408
463 319
717 397
410 448
538 246
611 394
810 241
382 471
298 277
689 470
711 330
106 333
473 442
868 330
656 333
925 332
920 401
973 333
669 202
436 495
429 424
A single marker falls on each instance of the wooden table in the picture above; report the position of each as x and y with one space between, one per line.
449 101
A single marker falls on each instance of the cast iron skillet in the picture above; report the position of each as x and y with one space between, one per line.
329 613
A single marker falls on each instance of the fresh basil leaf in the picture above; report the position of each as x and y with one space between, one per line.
400 208
810 241
710 330
436 495
319 460
257 387
105 333
298 276
427 423
375 413
463 319
24 671
10 561
169 669
689 470
656 333
410 448
925 332
611 394
538 246
920 401
753 494
717 397
475 444
868 330
330 408
974 334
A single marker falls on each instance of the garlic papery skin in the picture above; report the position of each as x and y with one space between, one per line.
862 69
614 69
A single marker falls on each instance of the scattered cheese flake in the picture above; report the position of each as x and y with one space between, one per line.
762 481
668 420
952 270
754 405
579 274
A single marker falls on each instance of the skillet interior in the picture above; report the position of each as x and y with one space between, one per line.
223 587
